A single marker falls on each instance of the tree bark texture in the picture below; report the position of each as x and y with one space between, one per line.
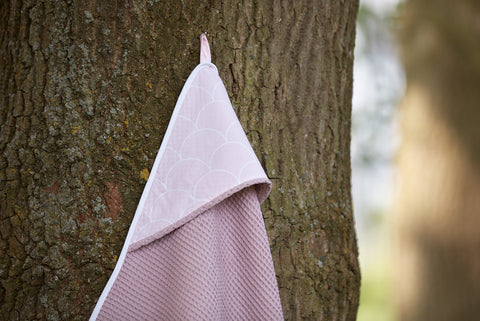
438 207
87 90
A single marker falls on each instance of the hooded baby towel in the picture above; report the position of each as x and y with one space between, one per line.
197 248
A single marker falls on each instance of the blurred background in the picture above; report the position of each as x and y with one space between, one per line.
416 159
379 84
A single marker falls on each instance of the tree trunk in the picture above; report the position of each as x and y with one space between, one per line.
87 90
438 208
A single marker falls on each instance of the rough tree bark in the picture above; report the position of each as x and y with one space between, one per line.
438 208
87 89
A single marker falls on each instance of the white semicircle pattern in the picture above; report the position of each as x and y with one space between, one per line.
205 153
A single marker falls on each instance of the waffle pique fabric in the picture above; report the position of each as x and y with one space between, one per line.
197 248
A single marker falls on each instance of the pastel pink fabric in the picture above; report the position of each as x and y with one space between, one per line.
215 267
205 56
197 248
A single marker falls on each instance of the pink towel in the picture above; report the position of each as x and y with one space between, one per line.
197 247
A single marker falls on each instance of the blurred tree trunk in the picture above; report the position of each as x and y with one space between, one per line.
438 209
87 90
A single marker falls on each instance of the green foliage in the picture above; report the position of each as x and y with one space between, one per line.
376 293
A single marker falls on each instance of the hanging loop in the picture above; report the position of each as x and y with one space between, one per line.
205 56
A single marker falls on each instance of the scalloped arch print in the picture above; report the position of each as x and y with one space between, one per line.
205 177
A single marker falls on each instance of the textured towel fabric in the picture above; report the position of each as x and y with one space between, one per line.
197 247
216 267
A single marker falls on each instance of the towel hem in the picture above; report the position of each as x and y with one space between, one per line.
262 192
